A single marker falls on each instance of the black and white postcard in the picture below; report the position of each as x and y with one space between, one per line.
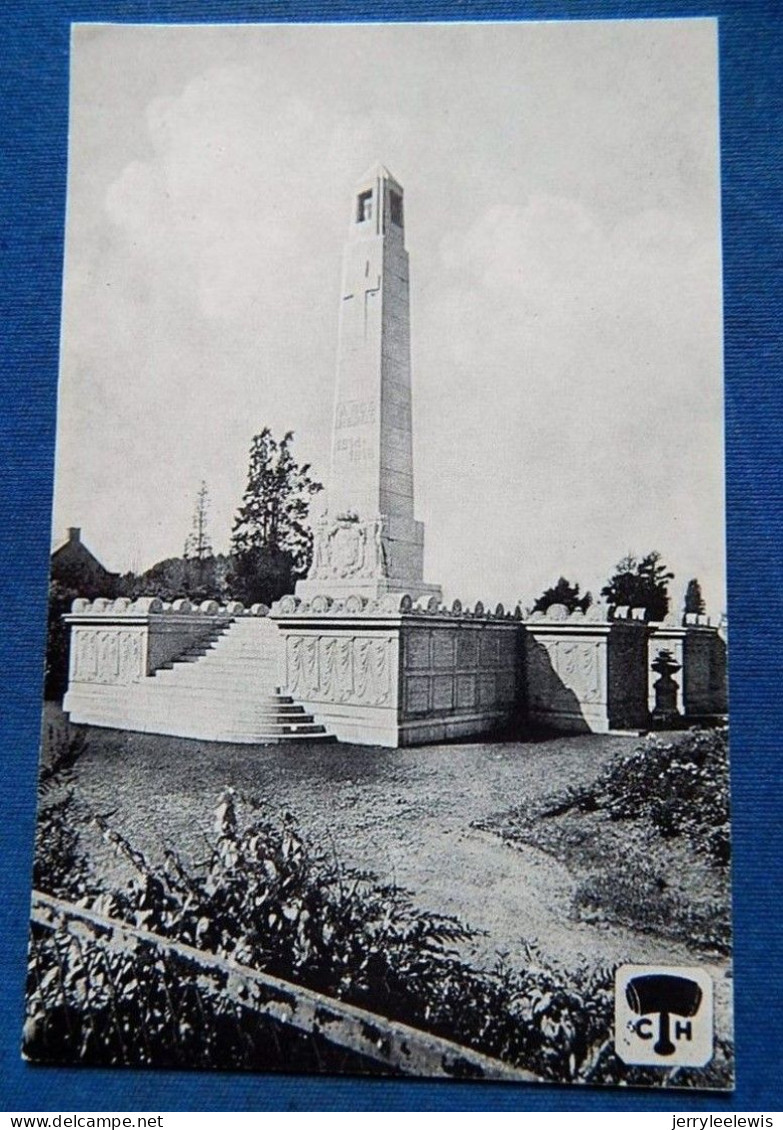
386 696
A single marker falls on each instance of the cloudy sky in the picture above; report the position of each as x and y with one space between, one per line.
562 218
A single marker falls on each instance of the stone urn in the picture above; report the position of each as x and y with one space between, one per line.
665 713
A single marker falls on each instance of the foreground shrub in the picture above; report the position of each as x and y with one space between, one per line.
59 865
683 787
268 900
648 841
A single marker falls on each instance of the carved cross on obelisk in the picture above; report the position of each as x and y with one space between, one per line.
369 541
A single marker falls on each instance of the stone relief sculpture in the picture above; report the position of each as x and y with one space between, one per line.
108 656
336 668
85 657
577 663
339 669
371 660
347 546
130 657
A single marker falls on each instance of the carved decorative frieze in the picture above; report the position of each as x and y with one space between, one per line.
332 668
358 604
107 656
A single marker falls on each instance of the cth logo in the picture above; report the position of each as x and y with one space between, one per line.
663 1016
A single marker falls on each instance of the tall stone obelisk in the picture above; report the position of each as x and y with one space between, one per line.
369 541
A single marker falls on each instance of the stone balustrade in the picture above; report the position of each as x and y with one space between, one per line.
396 671
391 604
153 605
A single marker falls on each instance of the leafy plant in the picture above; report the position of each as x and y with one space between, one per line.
271 540
267 899
59 865
694 601
683 787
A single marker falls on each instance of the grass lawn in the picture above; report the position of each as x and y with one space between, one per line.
632 863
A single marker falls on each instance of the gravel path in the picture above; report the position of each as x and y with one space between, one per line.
403 814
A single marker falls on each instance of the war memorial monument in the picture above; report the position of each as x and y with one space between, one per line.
364 650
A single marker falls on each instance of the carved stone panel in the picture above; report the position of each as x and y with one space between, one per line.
302 666
327 666
417 694
467 649
417 649
343 669
442 692
443 649
577 665
466 690
108 656
486 689
506 687
507 644
489 649
372 671
130 665
84 665
335 668
348 547
108 642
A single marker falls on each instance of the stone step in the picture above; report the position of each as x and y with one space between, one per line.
217 690
249 676
150 717
243 718
225 688
215 734
215 698
221 662
240 710
226 644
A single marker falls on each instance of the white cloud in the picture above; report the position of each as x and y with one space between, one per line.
562 223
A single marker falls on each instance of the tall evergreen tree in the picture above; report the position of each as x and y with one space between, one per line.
271 541
694 601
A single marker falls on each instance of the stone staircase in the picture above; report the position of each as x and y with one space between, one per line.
226 689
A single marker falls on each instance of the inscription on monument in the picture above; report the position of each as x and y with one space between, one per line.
357 450
353 413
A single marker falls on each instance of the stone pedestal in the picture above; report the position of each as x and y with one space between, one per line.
388 674
352 556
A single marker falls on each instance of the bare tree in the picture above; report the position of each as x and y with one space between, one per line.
197 544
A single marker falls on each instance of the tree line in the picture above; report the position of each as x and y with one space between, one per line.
637 582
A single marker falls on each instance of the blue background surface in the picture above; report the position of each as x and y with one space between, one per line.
33 94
